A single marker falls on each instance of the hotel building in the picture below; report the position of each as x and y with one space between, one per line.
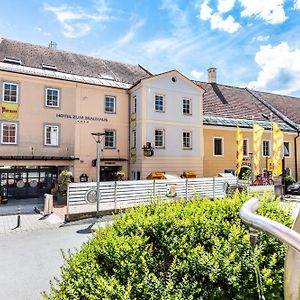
52 100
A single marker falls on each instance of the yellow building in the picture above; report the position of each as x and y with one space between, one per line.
52 100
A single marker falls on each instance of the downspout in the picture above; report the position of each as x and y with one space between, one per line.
296 159
129 135
284 119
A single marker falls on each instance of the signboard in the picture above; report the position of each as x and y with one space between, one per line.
133 120
171 190
81 118
9 111
133 155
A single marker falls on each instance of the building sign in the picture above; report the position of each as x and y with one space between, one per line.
81 118
270 164
9 111
133 120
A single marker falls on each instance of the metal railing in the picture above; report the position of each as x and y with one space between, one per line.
260 223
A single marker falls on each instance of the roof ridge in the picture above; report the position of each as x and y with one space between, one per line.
70 52
225 85
283 95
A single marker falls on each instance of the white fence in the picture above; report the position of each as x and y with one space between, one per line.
123 194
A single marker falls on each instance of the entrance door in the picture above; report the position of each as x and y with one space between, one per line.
109 173
27 182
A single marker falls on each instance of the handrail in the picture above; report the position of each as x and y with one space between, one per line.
279 231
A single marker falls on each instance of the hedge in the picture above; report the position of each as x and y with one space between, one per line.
196 249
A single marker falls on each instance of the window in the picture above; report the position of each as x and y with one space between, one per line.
245 147
159 103
51 135
9 133
110 139
159 138
186 106
133 105
133 138
266 148
10 92
52 97
218 146
110 104
286 149
288 172
187 140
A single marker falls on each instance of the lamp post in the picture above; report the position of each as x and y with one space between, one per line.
97 137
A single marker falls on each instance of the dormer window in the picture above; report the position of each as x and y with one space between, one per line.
12 60
49 67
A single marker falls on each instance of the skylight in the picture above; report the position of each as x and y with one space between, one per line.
12 60
49 67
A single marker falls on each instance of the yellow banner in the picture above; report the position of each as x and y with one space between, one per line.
257 135
9 111
277 150
270 164
239 150
133 155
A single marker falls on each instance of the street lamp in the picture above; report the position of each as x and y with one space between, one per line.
97 137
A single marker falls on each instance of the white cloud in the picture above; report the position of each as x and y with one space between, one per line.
297 4
197 75
76 21
228 25
261 38
271 11
225 5
205 11
216 21
280 69
131 32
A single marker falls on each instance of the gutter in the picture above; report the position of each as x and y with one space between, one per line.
129 135
286 120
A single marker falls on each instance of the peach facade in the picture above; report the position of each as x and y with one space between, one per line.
81 112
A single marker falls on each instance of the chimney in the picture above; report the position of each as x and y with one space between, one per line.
212 75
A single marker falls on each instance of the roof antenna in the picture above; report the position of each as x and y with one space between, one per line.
52 45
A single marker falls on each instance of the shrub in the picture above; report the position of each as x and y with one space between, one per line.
195 249
288 180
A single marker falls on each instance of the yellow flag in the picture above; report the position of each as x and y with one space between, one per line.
9 111
239 150
277 150
257 135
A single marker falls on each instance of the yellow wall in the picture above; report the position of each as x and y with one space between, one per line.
217 164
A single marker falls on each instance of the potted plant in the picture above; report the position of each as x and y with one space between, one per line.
65 177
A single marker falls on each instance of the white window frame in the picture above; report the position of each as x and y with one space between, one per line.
287 156
17 92
262 148
133 105
222 146
163 138
163 103
190 106
247 148
114 101
190 140
114 139
16 135
45 135
46 97
134 138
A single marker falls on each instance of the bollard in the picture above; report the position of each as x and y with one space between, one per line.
19 218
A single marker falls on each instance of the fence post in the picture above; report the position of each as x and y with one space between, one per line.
154 190
214 187
186 189
68 200
115 197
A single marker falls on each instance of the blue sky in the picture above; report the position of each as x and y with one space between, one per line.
253 43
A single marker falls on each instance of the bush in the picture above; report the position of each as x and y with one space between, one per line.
179 250
288 180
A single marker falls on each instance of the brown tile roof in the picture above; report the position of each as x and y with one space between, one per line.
72 63
232 102
289 106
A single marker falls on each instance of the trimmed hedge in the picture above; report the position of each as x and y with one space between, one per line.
195 249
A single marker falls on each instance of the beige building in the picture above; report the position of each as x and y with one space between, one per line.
52 100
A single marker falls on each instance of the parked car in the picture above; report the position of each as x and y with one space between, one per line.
294 188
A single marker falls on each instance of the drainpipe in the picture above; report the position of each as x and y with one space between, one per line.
296 159
129 134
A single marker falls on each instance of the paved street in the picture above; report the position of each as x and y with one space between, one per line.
30 259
